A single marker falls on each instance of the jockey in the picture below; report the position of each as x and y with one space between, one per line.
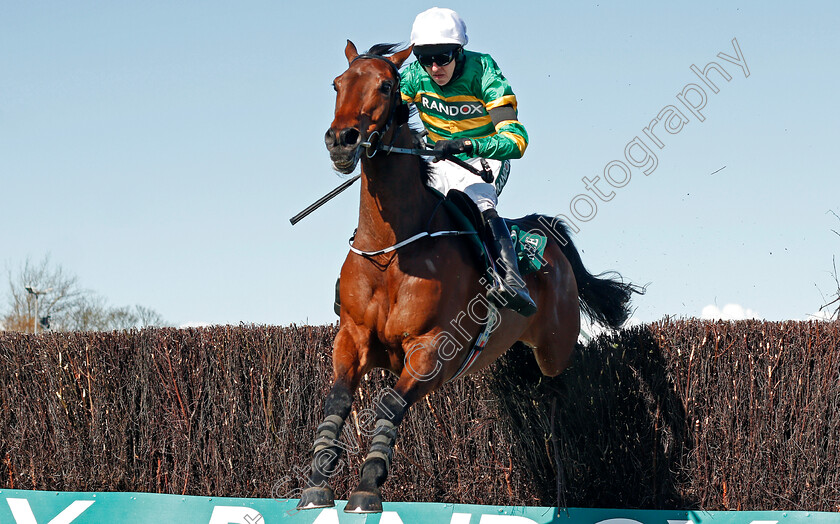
469 110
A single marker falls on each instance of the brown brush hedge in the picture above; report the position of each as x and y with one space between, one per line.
675 414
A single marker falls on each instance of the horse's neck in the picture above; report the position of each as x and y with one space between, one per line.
394 203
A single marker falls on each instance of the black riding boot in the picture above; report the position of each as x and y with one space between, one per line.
513 289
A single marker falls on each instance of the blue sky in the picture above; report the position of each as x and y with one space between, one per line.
158 149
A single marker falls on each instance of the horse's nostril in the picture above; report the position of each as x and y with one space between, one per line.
350 137
330 138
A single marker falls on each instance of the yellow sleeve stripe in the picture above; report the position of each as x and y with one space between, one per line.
434 137
503 123
520 141
507 100
408 99
456 126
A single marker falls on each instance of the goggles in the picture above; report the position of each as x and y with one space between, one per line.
441 59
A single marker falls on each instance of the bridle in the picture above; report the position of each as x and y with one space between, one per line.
397 115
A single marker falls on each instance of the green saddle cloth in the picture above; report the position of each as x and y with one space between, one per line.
529 245
530 248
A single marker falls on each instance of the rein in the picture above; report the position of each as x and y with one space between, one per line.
485 173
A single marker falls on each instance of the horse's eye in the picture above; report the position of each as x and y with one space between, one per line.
386 87
334 88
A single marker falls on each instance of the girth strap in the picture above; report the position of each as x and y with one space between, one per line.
406 242
480 342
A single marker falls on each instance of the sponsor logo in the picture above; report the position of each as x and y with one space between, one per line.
452 110
193 510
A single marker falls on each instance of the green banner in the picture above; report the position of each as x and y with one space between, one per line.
46 507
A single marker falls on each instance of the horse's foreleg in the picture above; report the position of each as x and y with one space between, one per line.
390 410
366 497
327 449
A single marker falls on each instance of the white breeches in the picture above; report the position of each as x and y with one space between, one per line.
447 175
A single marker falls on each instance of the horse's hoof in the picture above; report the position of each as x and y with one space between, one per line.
364 502
316 497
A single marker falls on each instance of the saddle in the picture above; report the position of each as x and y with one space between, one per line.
529 245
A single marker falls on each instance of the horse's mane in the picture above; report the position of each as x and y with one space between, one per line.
385 49
419 143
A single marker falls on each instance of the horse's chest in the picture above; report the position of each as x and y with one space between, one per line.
409 313
398 303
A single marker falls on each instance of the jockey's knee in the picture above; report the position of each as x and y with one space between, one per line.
484 196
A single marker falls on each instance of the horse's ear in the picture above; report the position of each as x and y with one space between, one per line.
399 58
350 51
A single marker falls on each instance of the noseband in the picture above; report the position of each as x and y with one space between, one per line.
398 113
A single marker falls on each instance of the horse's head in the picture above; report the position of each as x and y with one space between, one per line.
367 95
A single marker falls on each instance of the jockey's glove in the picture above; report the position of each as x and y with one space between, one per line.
454 147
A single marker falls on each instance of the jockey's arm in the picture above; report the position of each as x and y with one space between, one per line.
510 139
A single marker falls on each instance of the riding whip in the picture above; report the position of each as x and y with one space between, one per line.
323 200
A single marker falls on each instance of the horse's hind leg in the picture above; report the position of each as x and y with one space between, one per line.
553 331
553 347
553 354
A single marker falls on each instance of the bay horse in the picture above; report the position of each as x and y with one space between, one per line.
404 309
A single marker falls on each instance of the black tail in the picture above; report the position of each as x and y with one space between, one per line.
605 298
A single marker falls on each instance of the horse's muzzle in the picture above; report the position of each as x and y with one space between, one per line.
344 148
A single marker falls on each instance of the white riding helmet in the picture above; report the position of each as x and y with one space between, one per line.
438 26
